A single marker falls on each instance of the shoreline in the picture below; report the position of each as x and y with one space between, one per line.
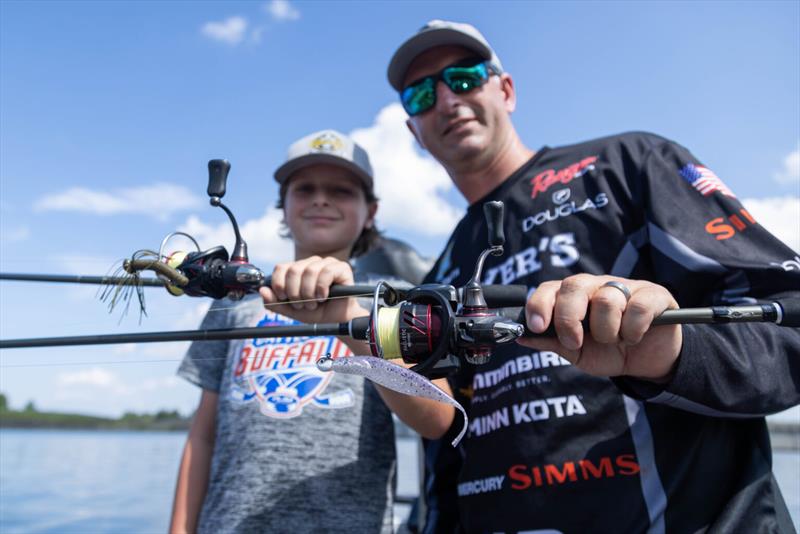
783 436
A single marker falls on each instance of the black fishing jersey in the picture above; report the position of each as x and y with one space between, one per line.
551 448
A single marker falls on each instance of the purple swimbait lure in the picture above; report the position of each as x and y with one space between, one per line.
392 377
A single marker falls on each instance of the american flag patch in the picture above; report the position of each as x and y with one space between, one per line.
704 180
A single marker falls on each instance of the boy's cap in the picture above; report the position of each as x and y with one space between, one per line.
327 146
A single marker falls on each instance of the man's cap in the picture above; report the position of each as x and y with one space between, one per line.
331 147
438 33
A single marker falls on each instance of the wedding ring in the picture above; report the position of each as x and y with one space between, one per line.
622 287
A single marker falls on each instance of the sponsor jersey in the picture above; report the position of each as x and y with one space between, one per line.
550 448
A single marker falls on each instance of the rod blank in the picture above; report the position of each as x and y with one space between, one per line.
78 279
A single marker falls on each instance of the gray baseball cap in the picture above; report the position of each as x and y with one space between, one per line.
327 146
438 33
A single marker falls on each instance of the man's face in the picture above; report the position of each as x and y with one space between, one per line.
460 129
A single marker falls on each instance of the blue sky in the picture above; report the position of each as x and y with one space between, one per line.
109 112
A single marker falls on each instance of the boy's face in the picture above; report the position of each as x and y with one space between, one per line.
326 210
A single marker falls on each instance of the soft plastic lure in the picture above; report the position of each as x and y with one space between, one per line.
393 377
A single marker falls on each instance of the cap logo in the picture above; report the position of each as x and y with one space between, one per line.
327 142
435 23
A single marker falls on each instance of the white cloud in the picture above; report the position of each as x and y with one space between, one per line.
15 234
192 316
86 264
410 183
281 10
95 376
790 173
779 215
230 31
158 201
264 245
98 390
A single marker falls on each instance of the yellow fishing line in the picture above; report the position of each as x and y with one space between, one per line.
389 332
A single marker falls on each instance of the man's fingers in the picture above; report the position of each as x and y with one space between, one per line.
572 302
605 316
646 303
539 308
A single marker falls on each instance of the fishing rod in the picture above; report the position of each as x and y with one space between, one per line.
433 326
77 279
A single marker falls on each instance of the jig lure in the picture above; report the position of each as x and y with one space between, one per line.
393 377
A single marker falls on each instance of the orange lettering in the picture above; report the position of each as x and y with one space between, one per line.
716 226
605 470
290 353
242 366
537 475
737 222
627 464
273 355
553 473
521 480
747 216
306 353
258 361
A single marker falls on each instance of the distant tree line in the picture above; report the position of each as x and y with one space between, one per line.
30 417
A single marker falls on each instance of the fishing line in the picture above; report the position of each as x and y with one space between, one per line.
387 329
108 362
112 362
217 310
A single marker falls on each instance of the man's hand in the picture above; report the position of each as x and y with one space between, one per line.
306 284
621 341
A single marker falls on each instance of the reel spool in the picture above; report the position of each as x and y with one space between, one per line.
417 329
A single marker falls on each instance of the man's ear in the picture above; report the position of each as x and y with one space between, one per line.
509 92
411 128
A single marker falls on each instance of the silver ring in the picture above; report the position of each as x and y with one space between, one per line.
622 287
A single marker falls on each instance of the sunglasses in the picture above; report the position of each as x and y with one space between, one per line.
461 77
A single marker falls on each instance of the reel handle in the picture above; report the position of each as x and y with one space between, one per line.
217 177
493 211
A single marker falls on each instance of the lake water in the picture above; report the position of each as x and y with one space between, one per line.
107 481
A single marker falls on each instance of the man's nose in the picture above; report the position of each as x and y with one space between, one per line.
446 100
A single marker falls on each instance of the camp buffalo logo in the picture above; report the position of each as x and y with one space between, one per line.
544 180
281 373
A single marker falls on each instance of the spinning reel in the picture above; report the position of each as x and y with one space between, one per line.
206 273
435 329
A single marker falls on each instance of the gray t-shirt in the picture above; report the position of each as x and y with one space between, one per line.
297 450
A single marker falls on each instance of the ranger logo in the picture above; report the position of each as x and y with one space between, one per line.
544 180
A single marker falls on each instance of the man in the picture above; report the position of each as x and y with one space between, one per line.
620 427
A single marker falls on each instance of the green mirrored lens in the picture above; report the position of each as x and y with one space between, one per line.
420 97
463 79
